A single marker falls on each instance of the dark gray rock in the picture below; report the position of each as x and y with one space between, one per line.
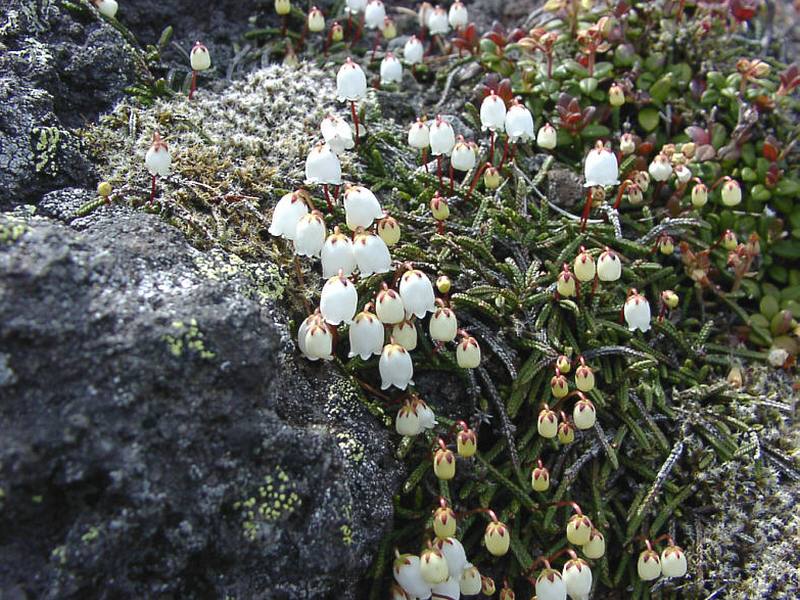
160 439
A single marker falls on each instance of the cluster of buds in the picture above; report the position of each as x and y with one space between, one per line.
608 268
671 562
584 414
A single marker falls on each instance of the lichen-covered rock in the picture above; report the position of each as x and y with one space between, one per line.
159 438
59 69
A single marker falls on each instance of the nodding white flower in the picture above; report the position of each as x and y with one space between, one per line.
389 307
493 113
199 58
673 562
731 193
442 137
584 266
519 123
596 546
547 137
319 341
634 194
579 528
416 290
433 566
540 479
649 565
699 195
449 588
419 135
323 166
351 83
406 571
547 423
395 367
310 234
427 418
337 255
660 169
584 414
444 522
389 230
338 300
470 582
405 334
609 266
458 16
107 8
337 133
372 254
287 214
497 538
443 325
356 6
627 143
366 335
374 14
157 159
637 312
302 331
565 283
550 586
584 378
391 69
578 578
413 51
683 174
468 353
361 207
463 157
438 23
601 167
408 420
316 20
454 554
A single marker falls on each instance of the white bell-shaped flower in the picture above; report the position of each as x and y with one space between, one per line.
673 562
683 174
637 312
287 214
468 353
416 290
391 69
550 585
199 57
463 157
419 135
302 331
649 565
361 207
449 588
337 255
107 8
351 83
609 266
337 133
366 335
443 325
408 422
338 300
458 15
389 307
374 14
584 266
319 341
427 418
316 20
493 113
547 137
454 554
323 166
395 367
578 578
407 573
442 137
157 159
438 23
356 6
405 334
627 143
660 169
413 51
433 566
601 167
519 123
471 582
372 254
310 234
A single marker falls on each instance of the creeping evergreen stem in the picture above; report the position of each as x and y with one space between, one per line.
621 192
153 189
355 118
586 210
193 87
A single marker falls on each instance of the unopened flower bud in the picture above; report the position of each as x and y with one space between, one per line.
468 353
405 334
443 284
596 546
616 95
670 299
444 464
547 423
584 268
627 143
389 30
566 433
497 538
642 179
491 178
104 189
666 245
433 566
337 32
673 562
565 283
283 7
584 414
699 195
439 208
559 386
731 193
563 364
389 230
444 522
584 378
547 137
729 241
579 528
466 443
316 20
107 8
540 479
199 58
487 586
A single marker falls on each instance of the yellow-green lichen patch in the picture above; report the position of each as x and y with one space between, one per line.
11 229
187 338
91 535
46 140
274 500
352 448
268 283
